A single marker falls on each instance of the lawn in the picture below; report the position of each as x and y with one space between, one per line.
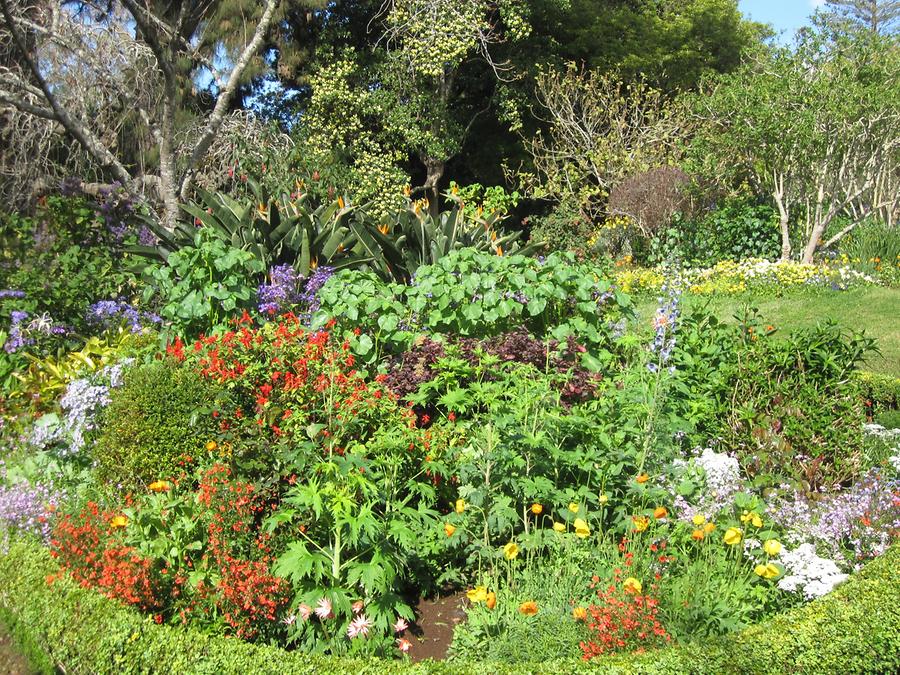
874 309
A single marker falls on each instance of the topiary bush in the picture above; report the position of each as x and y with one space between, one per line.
161 415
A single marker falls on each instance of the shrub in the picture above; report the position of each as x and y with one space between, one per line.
564 229
855 629
161 415
650 198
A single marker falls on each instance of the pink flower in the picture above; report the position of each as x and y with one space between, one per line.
357 606
401 625
304 610
323 609
403 645
359 626
289 619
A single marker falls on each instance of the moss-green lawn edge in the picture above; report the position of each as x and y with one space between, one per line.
855 629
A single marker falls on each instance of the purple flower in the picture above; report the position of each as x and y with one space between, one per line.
287 289
11 294
27 508
109 313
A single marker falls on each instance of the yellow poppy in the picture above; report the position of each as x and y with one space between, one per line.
211 445
767 571
581 528
118 521
559 527
698 520
772 547
751 517
460 505
511 550
537 509
640 523
733 536
579 614
159 486
477 594
573 507
632 585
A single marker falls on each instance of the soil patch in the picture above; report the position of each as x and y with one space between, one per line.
11 661
432 631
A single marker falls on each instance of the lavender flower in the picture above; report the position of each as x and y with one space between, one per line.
287 289
8 293
18 334
665 324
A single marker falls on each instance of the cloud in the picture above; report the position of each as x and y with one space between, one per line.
815 4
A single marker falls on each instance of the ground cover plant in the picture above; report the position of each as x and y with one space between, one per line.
553 354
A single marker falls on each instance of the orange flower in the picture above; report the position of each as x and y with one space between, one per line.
640 523
159 486
660 512
491 600
449 529
579 614
642 478
537 509
529 608
211 445
698 535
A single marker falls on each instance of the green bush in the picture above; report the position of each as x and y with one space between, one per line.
161 414
855 629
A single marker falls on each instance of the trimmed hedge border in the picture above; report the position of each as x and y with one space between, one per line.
855 629
882 390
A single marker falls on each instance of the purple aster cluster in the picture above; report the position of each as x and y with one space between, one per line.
286 289
282 291
107 314
664 324
26 508
8 293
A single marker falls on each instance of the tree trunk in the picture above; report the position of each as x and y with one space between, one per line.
434 171
783 218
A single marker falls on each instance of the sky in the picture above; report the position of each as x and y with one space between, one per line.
784 15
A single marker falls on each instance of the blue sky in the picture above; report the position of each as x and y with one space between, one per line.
784 15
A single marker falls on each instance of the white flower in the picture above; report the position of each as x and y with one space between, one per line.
809 573
359 626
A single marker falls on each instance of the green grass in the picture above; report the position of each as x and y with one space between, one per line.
875 310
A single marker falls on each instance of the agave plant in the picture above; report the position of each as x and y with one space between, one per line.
277 231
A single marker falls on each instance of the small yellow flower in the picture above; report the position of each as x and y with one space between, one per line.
698 520
159 486
603 499
751 517
559 527
632 585
537 509
118 521
211 445
579 614
573 507
772 547
460 505
449 529
733 536
529 608
581 528
477 594
511 550
640 523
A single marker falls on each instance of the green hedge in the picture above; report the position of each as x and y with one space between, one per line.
856 629
882 390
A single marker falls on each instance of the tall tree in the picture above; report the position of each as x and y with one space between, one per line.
877 16
89 68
